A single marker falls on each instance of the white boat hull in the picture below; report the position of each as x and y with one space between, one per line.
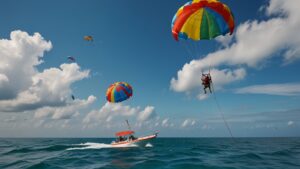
141 141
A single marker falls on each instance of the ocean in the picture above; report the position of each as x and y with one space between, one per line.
162 153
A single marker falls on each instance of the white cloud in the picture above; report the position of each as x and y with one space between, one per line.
226 76
190 77
188 122
49 88
110 110
253 43
166 123
65 112
11 119
155 123
3 80
66 124
23 87
58 125
206 127
19 56
202 96
224 40
286 89
290 123
147 114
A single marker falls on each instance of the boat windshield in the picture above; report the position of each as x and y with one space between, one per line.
125 138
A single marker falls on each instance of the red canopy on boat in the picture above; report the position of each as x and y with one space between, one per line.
124 133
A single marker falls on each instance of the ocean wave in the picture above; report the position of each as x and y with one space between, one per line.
284 153
36 149
18 150
167 153
247 156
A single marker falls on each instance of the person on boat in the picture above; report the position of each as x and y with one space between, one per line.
206 82
131 137
120 138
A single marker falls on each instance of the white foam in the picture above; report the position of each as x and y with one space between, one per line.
90 145
148 145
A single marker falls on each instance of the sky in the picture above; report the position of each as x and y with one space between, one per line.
255 71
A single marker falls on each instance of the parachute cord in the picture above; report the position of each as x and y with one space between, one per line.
221 112
189 50
196 49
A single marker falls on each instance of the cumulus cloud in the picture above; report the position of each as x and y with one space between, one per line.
167 123
286 89
3 80
224 40
10 119
49 88
253 43
188 122
19 56
187 82
65 112
24 88
147 114
189 79
111 110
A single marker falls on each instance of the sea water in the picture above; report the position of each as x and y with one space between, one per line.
164 153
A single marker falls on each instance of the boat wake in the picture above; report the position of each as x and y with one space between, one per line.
89 145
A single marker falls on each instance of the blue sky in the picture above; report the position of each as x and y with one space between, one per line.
258 92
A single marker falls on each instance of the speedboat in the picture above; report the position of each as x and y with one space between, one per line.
126 138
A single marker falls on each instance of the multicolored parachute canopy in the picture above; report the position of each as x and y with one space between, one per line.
202 19
118 92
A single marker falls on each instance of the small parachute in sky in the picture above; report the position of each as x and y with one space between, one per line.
118 92
71 59
88 38
73 97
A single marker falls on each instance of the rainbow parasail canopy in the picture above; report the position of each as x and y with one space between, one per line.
118 92
202 19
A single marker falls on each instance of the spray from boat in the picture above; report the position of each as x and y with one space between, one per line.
90 145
